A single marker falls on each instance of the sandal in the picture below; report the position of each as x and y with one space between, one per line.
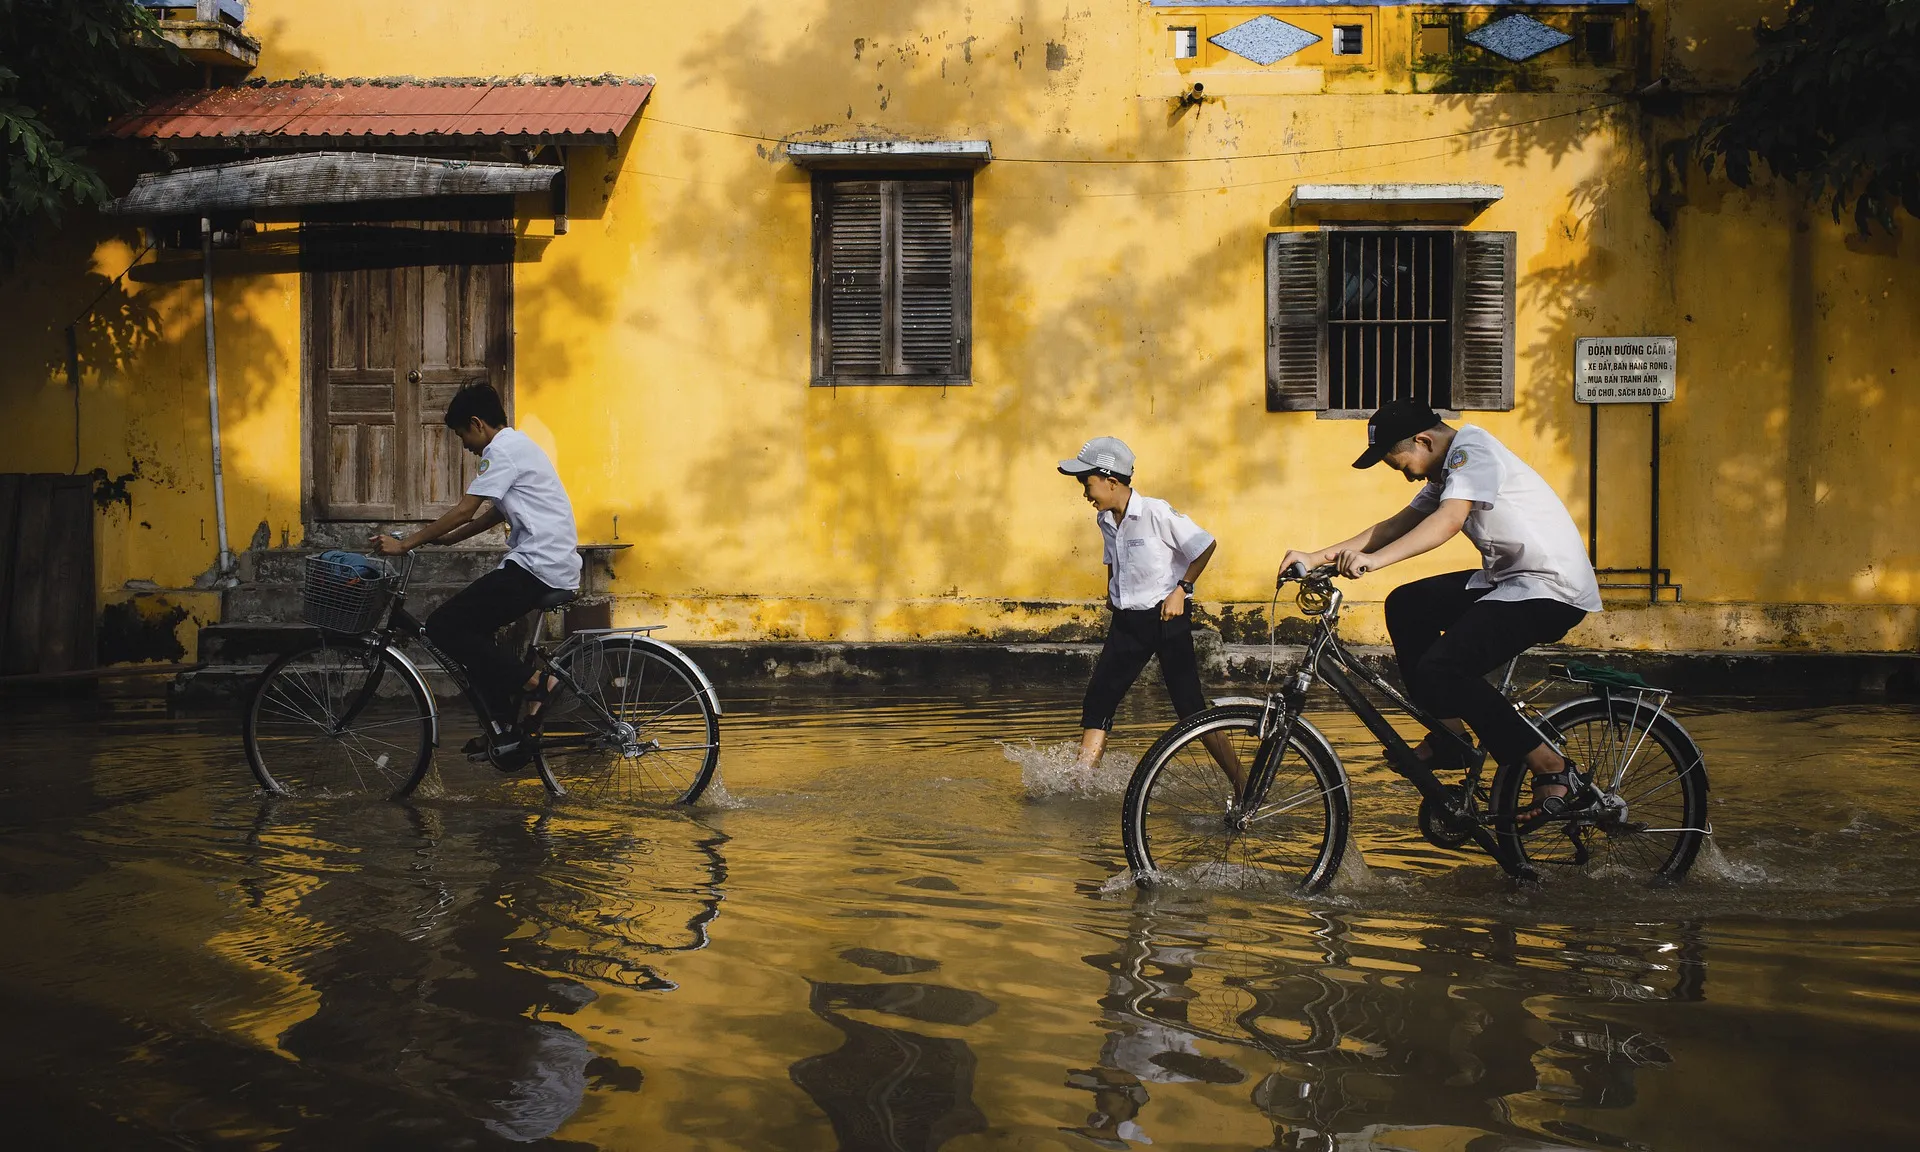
1549 807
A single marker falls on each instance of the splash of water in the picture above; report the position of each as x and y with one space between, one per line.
716 796
1713 864
1053 770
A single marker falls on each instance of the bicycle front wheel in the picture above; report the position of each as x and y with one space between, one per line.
339 718
1179 813
636 723
1650 824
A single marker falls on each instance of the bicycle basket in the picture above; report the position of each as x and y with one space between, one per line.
346 592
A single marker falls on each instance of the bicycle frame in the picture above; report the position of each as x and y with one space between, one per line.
1329 661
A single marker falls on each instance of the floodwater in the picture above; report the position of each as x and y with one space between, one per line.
900 928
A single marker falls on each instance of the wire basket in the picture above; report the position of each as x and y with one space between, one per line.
346 597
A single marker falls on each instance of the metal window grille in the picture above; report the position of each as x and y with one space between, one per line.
1349 39
1389 318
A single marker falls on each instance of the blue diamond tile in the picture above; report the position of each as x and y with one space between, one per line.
1517 37
1264 39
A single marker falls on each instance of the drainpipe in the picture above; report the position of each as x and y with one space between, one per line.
213 396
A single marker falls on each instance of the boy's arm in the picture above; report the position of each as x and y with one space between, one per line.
490 516
1433 530
455 518
1176 601
1372 540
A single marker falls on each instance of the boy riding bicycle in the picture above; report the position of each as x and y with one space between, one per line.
518 479
1449 631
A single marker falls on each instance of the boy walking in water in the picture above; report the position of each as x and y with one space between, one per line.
1153 556
526 494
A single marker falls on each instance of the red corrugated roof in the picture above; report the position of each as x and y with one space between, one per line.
302 112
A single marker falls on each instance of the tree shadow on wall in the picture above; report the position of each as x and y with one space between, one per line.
1069 340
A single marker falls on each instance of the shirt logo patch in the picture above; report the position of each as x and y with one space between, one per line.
484 462
1456 458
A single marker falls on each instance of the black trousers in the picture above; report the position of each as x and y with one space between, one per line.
1135 636
465 628
1447 638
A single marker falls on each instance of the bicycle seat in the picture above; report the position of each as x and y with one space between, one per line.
555 598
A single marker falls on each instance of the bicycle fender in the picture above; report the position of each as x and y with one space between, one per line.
412 672
699 673
1699 757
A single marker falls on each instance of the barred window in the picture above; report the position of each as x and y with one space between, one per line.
892 262
1358 317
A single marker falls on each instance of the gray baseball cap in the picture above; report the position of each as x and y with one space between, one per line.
1100 454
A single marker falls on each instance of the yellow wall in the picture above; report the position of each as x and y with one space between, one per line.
663 343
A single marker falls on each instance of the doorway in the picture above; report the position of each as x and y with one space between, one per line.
399 318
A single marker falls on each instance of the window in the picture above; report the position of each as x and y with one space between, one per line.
892 259
1357 317
1186 43
1349 39
1597 41
1389 318
1436 38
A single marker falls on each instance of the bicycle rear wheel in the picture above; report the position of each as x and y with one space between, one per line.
1177 813
312 728
640 728
1650 826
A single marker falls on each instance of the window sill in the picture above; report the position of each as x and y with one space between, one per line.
947 381
1365 413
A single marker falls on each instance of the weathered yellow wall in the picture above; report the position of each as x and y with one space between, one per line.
663 343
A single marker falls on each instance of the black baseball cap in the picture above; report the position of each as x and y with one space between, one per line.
1392 423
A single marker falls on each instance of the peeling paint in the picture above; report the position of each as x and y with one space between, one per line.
142 629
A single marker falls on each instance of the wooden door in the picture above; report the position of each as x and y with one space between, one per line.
46 573
389 347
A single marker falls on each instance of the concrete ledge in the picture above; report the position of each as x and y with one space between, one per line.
936 666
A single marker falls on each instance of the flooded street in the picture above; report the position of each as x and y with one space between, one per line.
899 927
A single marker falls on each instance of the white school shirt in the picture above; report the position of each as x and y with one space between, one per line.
1529 546
1149 548
517 476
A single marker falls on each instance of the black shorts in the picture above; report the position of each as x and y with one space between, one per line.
1135 636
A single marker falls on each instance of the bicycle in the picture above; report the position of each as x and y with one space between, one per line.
1640 807
631 718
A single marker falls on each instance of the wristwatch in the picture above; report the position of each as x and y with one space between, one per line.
1188 585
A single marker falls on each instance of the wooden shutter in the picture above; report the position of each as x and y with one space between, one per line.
1296 322
853 279
1483 321
929 268
892 275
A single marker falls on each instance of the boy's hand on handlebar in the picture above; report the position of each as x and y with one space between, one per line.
1297 564
387 545
1354 563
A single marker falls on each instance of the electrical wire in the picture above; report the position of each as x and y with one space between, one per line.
1095 161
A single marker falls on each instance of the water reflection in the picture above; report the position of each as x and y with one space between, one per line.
887 1087
1381 1025
445 967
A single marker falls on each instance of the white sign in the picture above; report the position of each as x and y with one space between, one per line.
1624 369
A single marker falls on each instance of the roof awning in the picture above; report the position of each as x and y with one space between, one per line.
323 178
890 153
316 112
1397 193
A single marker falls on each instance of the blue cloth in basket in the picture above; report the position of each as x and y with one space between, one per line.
351 566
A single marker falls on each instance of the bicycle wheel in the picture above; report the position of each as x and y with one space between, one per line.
641 727
304 738
1177 816
1654 815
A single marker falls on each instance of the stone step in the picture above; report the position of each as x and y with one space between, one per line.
252 645
433 566
280 603
218 687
